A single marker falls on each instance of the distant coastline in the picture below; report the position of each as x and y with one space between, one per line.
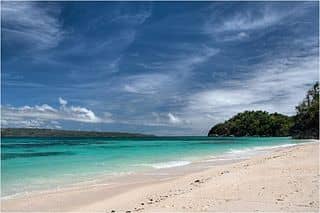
34 132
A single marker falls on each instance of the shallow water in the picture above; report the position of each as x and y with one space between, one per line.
30 164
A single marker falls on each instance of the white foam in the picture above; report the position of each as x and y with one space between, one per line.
168 164
274 147
239 151
258 148
245 153
226 158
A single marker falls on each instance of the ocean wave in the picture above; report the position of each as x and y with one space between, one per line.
258 148
245 153
168 164
226 158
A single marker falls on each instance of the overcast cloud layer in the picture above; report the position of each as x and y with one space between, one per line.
167 68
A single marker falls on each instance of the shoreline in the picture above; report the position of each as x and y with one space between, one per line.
160 169
102 197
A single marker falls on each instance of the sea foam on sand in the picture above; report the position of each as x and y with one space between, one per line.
168 164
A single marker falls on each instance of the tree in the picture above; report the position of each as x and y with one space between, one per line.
306 121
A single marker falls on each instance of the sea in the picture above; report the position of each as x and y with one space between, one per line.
35 164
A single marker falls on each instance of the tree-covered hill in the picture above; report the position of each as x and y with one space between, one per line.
254 123
305 124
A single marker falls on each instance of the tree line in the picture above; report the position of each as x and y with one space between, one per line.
305 124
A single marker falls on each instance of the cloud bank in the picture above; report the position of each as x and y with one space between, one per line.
35 116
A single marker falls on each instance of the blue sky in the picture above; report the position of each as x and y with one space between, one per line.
166 68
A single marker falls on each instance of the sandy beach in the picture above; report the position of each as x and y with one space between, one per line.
285 180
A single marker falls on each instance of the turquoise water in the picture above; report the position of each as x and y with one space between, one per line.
30 164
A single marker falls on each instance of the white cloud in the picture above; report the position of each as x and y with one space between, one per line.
156 119
133 89
188 56
251 21
146 83
237 37
62 101
40 115
163 84
30 123
245 22
132 19
32 23
84 115
43 108
221 98
173 119
252 18
174 70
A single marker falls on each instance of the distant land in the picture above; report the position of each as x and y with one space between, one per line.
34 132
303 125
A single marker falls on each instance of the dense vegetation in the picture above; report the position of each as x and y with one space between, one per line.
254 123
305 124
32 132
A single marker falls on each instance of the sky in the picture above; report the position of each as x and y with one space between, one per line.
164 68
